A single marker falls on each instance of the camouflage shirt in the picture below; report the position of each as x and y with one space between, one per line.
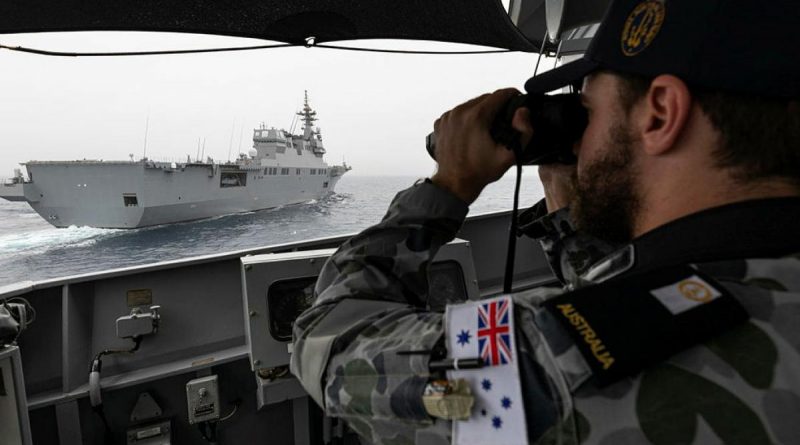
351 348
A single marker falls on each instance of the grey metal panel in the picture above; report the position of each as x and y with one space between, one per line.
278 390
44 428
460 251
260 272
40 343
488 235
78 303
14 289
273 424
200 310
14 420
141 375
301 421
69 423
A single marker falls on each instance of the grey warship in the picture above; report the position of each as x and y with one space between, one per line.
11 188
281 169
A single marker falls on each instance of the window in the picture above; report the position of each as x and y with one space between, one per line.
446 283
298 171
286 300
284 171
325 184
129 199
313 171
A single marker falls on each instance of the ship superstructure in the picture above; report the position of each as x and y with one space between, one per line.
11 188
282 168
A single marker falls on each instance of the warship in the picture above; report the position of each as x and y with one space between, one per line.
196 350
11 188
281 169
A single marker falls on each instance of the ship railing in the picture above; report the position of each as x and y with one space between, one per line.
179 159
182 161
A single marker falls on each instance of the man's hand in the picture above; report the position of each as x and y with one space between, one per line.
469 159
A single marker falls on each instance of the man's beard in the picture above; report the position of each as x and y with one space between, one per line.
606 203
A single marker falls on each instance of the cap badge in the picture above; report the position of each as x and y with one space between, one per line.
642 26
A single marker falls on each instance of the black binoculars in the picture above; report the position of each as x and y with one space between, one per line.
558 122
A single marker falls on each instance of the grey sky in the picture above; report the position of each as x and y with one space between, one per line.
374 109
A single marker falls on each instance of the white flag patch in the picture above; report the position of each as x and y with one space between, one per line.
685 294
486 329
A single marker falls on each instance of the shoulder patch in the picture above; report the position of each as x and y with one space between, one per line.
625 325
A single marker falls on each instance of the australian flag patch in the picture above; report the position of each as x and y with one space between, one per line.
494 332
485 329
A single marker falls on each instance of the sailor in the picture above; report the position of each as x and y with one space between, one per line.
678 317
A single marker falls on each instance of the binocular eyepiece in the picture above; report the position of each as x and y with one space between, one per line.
558 122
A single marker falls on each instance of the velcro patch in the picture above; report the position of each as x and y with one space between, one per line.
686 294
623 326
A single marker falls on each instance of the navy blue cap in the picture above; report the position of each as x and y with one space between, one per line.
744 46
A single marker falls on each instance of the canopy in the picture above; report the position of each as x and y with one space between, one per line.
477 22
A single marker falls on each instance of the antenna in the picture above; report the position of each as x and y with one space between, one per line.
230 145
241 133
294 119
203 153
146 126
294 123
197 156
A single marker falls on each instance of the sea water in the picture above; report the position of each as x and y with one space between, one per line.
32 249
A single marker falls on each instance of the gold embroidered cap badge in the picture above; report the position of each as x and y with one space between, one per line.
642 26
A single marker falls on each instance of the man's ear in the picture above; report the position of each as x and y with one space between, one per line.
662 114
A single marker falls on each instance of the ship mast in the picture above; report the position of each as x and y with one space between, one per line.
309 117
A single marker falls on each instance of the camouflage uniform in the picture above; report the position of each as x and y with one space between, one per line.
741 387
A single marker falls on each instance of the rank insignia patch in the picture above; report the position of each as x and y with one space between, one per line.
685 294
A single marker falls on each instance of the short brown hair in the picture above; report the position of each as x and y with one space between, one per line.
760 137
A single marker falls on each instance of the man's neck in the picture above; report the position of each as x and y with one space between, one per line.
664 207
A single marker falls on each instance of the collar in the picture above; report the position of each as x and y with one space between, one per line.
763 228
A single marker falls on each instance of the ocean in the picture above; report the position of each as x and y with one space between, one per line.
32 249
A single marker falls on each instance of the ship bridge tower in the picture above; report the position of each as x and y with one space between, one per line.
309 117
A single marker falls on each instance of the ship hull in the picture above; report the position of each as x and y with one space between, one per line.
139 194
12 192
